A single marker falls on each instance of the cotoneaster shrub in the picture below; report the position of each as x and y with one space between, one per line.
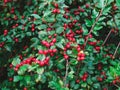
59 44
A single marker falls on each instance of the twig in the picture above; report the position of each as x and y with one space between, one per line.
77 73
117 86
116 50
110 31
92 28
66 73
107 37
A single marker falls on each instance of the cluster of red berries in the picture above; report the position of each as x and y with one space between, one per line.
99 66
56 10
70 36
49 51
116 80
33 27
84 77
16 39
80 56
67 46
80 31
6 1
12 10
102 77
69 25
47 44
66 57
32 59
2 44
77 11
97 48
15 26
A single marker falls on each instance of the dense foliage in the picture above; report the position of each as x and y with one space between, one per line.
59 44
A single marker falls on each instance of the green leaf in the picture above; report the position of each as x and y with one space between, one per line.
95 13
84 85
47 13
49 19
76 87
17 78
43 79
109 1
16 61
40 70
35 42
27 79
118 3
42 34
22 69
106 10
5 89
100 3
88 22
98 27
72 83
8 47
59 45
35 16
54 85
43 26
80 41
41 57
59 30
70 74
96 85
73 62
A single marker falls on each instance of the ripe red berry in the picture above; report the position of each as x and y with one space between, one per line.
40 51
5 32
87 5
10 79
82 58
54 50
56 5
54 40
66 56
77 81
25 88
41 63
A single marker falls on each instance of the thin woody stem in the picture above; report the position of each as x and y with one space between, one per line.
107 37
92 28
109 31
66 73
116 50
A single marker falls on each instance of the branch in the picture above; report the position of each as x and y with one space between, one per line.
110 30
92 28
78 69
116 50
66 73
107 37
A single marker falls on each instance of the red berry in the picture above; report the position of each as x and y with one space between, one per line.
56 5
5 32
66 57
87 5
82 58
41 63
54 40
77 81
40 51
10 79
54 50
25 88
